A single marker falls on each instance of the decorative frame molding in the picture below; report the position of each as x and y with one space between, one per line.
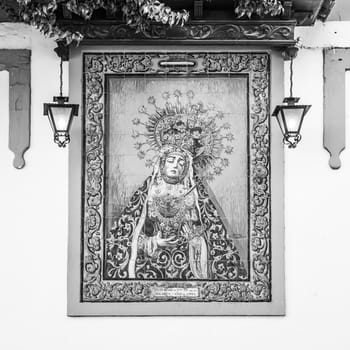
240 32
256 66
17 63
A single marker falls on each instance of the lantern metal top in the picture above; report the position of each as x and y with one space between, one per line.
291 101
61 101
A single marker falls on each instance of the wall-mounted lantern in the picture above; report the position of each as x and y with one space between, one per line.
60 115
290 115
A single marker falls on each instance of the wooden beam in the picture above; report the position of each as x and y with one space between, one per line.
198 9
261 33
17 63
336 62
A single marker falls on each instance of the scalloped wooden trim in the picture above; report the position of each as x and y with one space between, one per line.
274 33
336 62
17 63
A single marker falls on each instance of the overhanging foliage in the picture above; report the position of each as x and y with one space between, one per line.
43 14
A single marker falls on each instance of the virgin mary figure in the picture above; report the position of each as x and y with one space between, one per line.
171 228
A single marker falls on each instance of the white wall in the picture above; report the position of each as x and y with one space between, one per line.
33 209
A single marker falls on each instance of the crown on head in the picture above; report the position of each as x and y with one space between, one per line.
182 123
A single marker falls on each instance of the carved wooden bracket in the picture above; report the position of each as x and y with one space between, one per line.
336 62
17 63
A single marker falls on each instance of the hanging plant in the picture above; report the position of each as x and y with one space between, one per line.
137 13
259 7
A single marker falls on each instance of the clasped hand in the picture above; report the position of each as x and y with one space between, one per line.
173 240
168 242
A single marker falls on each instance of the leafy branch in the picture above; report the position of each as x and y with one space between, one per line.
42 14
259 7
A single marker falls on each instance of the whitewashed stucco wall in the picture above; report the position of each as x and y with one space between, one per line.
33 209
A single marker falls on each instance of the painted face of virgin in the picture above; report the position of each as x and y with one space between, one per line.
174 165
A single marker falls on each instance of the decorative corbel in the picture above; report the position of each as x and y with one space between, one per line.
336 63
17 63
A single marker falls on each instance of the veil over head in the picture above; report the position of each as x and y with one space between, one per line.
208 253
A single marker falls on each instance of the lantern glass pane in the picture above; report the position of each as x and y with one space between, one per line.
279 117
293 119
52 124
61 117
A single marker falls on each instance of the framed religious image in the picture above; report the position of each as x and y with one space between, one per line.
175 193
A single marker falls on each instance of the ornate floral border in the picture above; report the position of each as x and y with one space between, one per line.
278 33
254 65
